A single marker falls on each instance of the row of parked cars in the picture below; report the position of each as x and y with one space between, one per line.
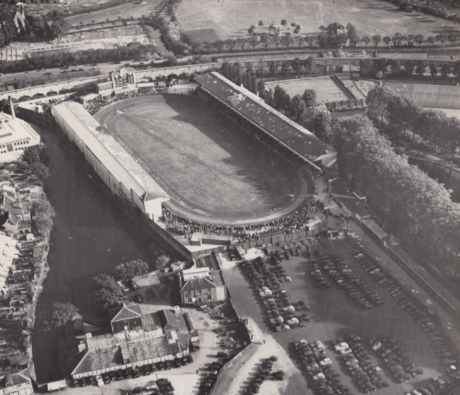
359 363
210 377
396 358
422 317
325 379
358 291
264 372
317 275
133 372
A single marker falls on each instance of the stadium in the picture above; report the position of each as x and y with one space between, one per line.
204 163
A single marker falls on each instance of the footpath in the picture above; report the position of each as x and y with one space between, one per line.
449 321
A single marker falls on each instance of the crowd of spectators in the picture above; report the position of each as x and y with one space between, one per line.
288 224
95 105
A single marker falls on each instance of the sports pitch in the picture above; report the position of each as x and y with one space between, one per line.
326 90
436 96
210 167
232 18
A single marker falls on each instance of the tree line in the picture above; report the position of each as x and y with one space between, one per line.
399 117
412 205
332 36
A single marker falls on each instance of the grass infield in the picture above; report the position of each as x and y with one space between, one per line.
208 164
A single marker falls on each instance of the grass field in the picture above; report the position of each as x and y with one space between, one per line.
326 90
437 96
232 18
135 10
206 163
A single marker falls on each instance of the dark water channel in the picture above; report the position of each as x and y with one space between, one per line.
451 180
90 237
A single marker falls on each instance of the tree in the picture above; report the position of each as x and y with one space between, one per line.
266 40
452 38
377 101
241 42
261 23
230 43
283 22
309 97
162 261
59 315
402 115
421 66
207 45
433 70
253 41
431 40
272 67
296 107
128 270
287 40
308 64
282 99
445 70
366 40
386 40
296 65
377 39
452 136
108 292
251 29
352 34
419 39
442 38
300 40
219 45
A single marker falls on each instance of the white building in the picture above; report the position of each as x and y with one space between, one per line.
122 174
15 137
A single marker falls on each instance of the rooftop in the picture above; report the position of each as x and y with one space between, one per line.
297 138
110 152
14 129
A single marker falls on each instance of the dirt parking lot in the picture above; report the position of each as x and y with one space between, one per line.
334 315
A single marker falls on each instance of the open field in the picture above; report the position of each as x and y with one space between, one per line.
207 164
326 89
135 10
334 315
436 96
232 18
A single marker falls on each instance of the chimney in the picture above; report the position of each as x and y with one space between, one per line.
12 107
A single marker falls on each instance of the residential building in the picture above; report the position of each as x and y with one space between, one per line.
17 383
121 173
137 338
203 282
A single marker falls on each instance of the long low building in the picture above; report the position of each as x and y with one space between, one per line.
122 174
253 109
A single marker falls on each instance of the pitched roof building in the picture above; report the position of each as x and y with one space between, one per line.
18 383
203 282
137 338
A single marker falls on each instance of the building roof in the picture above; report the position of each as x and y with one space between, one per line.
16 378
292 135
127 312
106 351
109 152
14 129
198 284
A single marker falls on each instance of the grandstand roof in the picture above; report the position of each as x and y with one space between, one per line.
109 152
297 138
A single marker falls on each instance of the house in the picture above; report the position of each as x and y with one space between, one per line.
17 383
203 282
136 338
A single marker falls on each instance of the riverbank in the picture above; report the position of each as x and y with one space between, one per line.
92 234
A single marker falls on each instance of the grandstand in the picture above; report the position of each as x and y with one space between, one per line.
122 174
299 142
